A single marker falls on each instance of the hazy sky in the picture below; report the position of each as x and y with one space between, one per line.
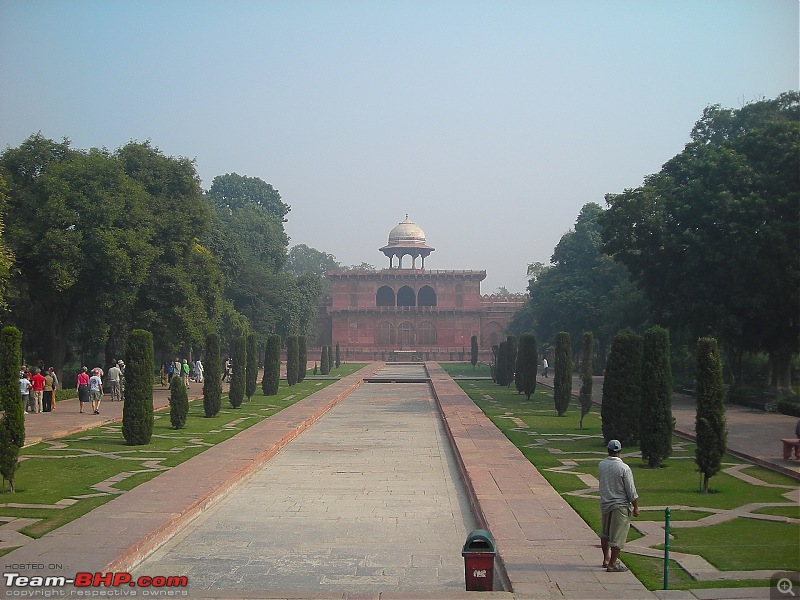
491 123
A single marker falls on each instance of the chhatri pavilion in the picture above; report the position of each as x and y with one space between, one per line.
409 312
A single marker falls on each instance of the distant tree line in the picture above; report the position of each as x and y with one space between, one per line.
707 247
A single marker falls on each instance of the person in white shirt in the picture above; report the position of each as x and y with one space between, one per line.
96 390
618 500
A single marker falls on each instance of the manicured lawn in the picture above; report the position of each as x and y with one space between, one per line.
465 369
547 440
63 479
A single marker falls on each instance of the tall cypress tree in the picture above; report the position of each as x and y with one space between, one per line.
655 416
324 365
528 365
252 367
502 367
562 377
622 390
712 435
178 403
337 357
291 359
239 375
330 358
12 425
585 394
212 378
272 365
511 358
137 411
473 351
302 357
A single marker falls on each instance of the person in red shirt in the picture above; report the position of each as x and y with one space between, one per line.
37 392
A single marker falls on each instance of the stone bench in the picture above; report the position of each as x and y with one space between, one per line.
790 444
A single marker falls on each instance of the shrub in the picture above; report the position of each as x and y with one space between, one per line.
239 375
511 358
178 403
473 351
528 365
712 436
212 382
252 367
585 395
302 357
12 425
655 413
272 365
622 390
137 411
562 376
501 369
324 365
291 359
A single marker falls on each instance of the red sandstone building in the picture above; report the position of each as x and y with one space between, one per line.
409 312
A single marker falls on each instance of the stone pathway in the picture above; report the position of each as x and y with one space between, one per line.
370 498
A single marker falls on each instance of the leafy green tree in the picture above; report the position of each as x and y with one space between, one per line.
179 301
473 351
292 366
713 239
12 424
252 366
562 375
82 234
272 365
528 362
511 357
6 255
303 259
501 367
212 379
710 428
239 376
235 192
622 390
582 290
137 411
655 415
585 394
302 357
337 359
178 403
324 365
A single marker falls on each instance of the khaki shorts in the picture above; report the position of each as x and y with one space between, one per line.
616 523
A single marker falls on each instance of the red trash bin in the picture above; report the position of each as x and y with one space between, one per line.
479 553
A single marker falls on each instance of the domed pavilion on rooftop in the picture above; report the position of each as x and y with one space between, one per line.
406 239
411 313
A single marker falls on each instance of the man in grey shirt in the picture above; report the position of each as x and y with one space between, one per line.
617 496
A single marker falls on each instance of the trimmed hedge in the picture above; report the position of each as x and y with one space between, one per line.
137 411
212 377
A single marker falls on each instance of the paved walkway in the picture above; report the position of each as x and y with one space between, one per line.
369 499
545 550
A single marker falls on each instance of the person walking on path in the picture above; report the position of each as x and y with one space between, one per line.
24 390
95 391
52 372
114 376
617 496
47 397
185 373
544 367
37 392
198 371
82 387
